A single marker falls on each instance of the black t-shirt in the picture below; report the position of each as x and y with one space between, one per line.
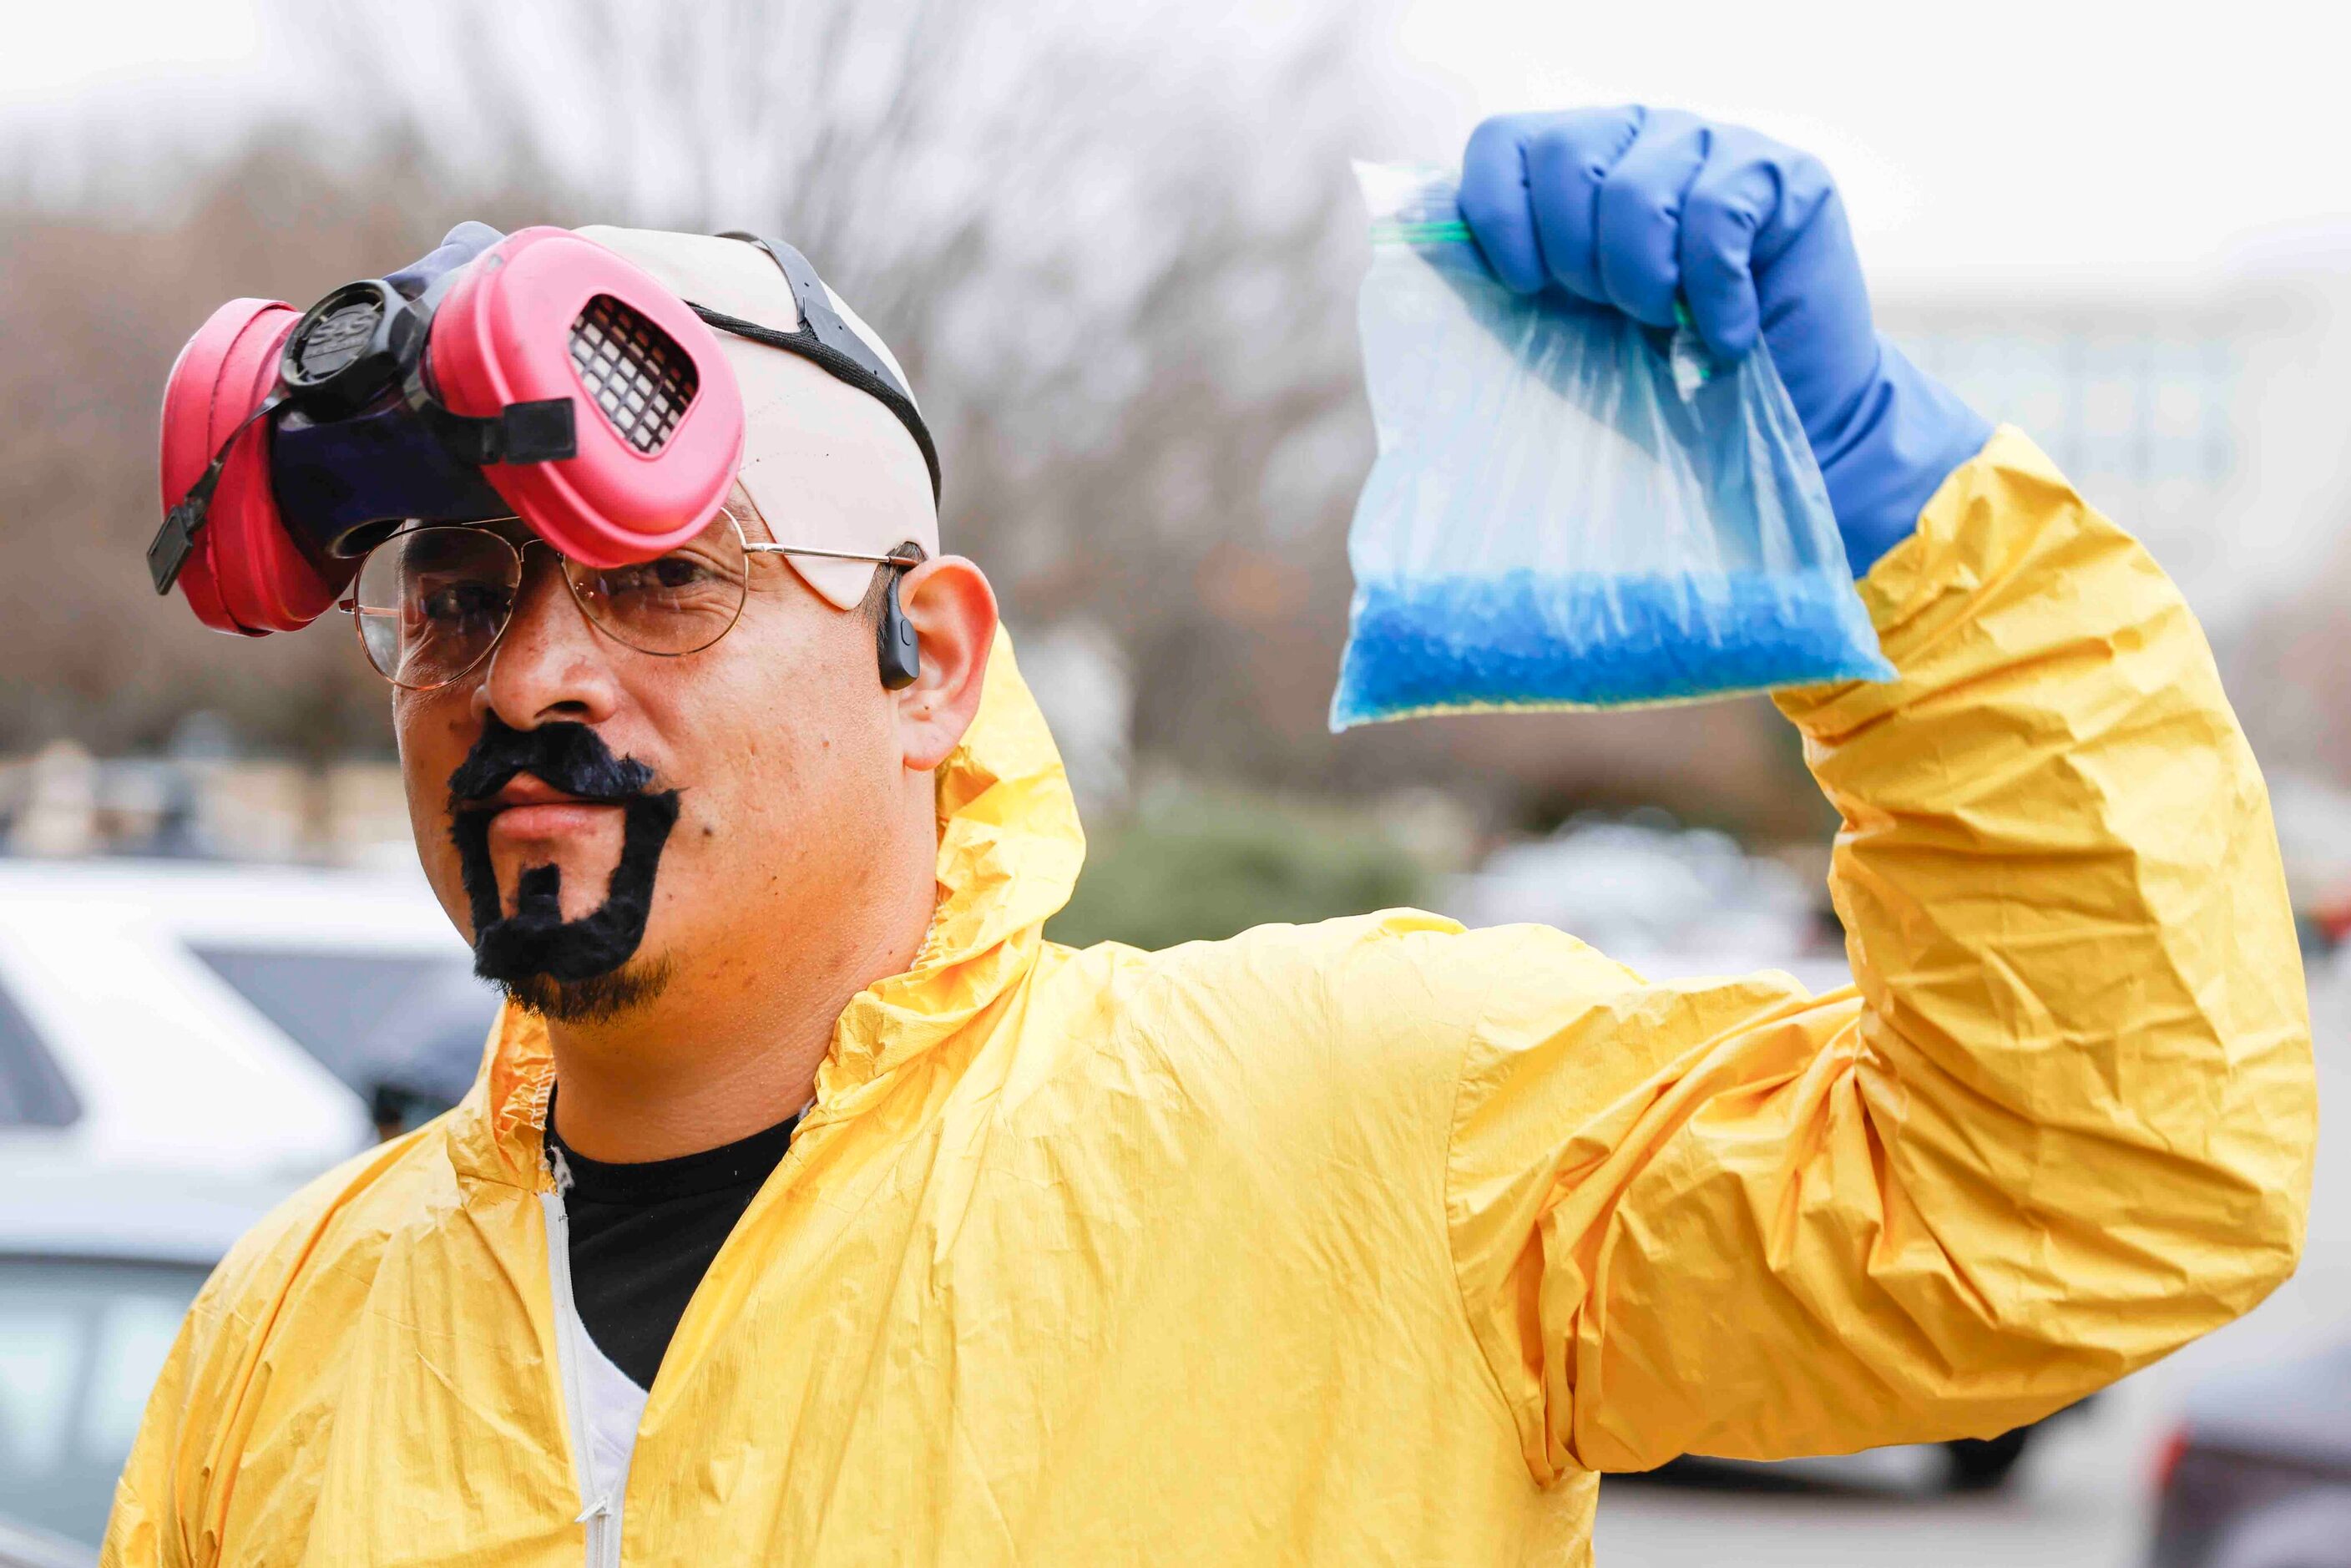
643 1235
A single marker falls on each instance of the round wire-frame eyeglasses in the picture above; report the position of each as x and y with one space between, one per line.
431 603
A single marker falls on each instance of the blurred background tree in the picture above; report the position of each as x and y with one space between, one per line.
1202 864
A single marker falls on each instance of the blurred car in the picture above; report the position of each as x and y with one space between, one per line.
233 1019
1960 1465
181 1043
95 1273
1670 900
2259 1474
22 1546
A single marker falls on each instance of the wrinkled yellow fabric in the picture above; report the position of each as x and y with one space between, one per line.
1373 1241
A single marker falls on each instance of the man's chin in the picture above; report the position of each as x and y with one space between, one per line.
585 868
597 998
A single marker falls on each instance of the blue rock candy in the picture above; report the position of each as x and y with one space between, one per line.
1524 640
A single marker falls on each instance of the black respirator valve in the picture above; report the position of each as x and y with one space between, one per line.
351 348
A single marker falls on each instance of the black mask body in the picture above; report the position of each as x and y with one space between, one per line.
536 940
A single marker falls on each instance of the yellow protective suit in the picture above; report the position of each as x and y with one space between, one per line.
1373 1241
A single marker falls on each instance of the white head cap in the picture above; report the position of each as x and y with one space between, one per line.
829 467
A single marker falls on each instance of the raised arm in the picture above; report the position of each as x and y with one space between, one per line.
2064 1125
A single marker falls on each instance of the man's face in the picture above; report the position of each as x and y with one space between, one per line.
787 757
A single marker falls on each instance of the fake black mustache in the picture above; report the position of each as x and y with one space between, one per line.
535 939
567 756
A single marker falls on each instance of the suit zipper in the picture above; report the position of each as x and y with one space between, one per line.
599 1502
599 1512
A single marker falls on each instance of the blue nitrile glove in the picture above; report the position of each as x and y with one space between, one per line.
459 247
1631 207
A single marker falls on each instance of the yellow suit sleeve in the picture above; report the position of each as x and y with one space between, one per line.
2061 1123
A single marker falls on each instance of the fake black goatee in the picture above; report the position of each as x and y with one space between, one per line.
570 970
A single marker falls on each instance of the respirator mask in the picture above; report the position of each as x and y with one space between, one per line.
546 378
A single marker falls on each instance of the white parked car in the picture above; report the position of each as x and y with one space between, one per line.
96 1271
181 1044
223 1019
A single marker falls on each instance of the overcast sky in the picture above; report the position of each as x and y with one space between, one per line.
2084 144
2142 143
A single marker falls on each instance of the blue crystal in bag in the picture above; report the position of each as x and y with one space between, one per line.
1569 508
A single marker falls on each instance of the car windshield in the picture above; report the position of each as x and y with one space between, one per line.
80 1344
33 1094
416 1020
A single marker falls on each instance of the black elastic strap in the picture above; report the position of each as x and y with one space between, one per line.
175 541
817 314
831 343
843 367
539 432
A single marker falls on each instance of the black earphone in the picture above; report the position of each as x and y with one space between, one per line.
899 651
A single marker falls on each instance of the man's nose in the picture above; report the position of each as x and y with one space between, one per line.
549 664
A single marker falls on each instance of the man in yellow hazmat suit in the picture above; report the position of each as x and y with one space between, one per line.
810 1207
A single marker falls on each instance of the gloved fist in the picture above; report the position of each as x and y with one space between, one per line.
1634 207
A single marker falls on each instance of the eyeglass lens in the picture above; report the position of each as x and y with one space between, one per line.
432 603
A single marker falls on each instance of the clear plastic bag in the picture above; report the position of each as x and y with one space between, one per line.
1570 509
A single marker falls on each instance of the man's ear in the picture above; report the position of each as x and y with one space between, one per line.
953 610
